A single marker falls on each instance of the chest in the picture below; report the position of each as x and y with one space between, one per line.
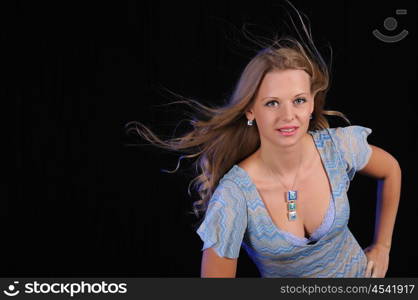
313 199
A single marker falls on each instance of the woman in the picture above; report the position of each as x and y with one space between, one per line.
274 177
302 233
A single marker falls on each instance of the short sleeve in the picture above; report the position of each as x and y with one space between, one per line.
225 220
353 146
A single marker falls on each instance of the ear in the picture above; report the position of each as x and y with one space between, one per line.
250 114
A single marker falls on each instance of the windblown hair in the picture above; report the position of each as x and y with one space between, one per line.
222 138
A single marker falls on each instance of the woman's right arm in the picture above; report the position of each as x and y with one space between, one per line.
217 266
222 230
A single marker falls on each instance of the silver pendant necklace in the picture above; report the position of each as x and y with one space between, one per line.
291 197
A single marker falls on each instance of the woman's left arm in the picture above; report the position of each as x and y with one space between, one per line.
386 169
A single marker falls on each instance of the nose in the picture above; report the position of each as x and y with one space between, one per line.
287 112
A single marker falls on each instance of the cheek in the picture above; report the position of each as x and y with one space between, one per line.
265 123
306 112
265 118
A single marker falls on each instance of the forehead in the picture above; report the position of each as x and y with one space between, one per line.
284 82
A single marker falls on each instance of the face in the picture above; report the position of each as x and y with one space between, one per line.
283 99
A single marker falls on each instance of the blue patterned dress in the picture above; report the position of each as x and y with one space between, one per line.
236 216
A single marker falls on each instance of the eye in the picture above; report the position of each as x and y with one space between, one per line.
267 104
303 99
298 99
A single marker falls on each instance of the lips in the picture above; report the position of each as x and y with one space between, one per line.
288 127
287 131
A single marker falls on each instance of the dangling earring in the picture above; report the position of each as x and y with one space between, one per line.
310 117
250 122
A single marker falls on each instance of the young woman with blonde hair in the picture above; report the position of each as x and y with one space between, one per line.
273 176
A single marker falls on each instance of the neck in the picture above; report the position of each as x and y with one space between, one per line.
284 162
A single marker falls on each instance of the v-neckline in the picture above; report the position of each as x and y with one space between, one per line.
332 201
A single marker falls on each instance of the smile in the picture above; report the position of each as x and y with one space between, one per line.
287 132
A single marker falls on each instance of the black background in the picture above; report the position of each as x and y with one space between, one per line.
82 202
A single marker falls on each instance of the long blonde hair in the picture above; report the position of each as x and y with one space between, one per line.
221 138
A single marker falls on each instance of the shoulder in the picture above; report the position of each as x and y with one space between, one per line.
228 194
238 177
349 132
343 137
341 130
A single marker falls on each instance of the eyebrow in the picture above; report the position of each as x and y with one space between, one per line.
279 99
